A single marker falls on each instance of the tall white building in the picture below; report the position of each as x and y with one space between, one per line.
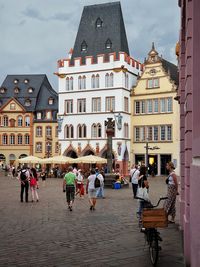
94 84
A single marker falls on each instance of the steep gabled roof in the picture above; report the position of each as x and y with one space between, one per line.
171 69
100 24
38 82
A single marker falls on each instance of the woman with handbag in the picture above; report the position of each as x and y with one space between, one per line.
34 184
172 191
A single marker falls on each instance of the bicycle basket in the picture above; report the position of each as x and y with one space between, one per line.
153 218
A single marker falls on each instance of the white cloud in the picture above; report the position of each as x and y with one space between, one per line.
35 33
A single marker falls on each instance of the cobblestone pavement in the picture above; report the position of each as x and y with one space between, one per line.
48 234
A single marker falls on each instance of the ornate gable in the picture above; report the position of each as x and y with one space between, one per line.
12 105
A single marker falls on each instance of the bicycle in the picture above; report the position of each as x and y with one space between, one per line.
151 219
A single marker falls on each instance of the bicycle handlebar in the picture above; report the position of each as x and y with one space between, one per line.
153 206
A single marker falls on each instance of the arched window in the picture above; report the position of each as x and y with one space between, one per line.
27 121
20 121
107 80
82 131
111 80
67 84
84 82
99 23
27 102
71 85
48 131
38 147
79 82
4 139
27 139
38 131
12 139
94 130
84 46
69 131
98 130
5 120
108 44
19 139
97 81
93 81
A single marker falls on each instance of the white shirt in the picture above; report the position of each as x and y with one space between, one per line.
171 179
91 180
134 173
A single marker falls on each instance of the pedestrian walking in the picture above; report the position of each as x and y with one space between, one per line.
43 177
91 190
23 176
34 184
134 177
100 190
80 185
172 192
69 187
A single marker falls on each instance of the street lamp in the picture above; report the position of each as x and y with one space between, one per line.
147 153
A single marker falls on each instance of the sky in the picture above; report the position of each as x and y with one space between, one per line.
35 34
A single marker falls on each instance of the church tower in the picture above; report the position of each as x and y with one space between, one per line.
94 84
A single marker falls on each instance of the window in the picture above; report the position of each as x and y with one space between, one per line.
155 105
27 102
149 132
81 105
2 90
39 131
38 147
84 46
155 133
79 82
19 139
16 90
110 103
126 104
126 80
142 133
48 148
30 90
153 83
96 130
84 82
71 84
111 80
126 135
162 105
81 131
5 120
12 139
149 106
137 107
107 80
50 101
108 44
27 121
69 131
26 81
99 23
4 139
48 115
69 106
15 81
12 106
96 104
39 115
56 147
169 133
27 139
93 81
20 121
137 134
143 106
97 81
48 131
162 133
67 84
169 104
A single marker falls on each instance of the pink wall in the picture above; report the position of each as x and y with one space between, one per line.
189 92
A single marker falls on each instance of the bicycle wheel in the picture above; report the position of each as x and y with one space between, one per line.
154 249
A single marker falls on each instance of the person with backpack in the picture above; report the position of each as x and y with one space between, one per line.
100 190
91 188
24 179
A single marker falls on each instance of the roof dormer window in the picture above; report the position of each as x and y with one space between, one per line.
27 102
50 101
99 23
16 90
2 90
108 44
84 46
15 81
30 90
26 81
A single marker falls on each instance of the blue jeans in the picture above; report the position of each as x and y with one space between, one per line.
100 192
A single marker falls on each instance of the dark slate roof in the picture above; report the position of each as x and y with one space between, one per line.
172 69
95 38
42 90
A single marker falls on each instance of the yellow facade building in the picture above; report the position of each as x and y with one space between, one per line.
28 118
155 127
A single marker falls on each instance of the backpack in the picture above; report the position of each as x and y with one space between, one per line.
23 176
97 182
